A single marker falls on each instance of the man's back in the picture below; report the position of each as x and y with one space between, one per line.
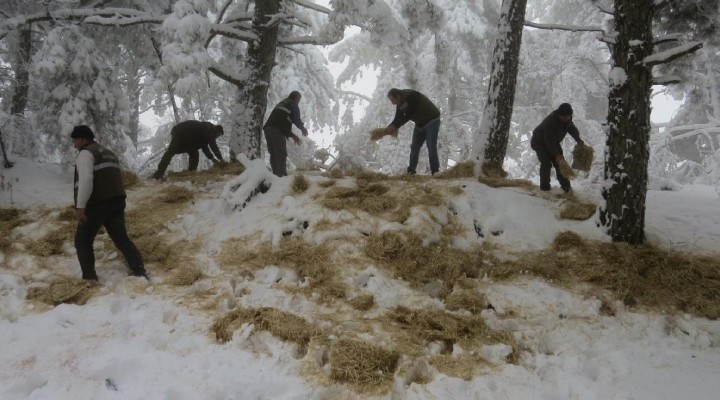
193 135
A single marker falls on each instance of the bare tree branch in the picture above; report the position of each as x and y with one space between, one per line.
227 75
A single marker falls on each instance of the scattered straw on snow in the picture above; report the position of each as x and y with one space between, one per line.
10 218
335 173
185 276
218 172
64 290
493 170
582 157
361 363
129 179
465 299
637 275
327 184
52 242
300 184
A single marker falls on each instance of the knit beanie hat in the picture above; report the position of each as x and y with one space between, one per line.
82 131
565 109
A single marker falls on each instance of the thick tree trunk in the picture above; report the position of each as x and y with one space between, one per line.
249 115
6 160
626 158
133 91
492 138
22 73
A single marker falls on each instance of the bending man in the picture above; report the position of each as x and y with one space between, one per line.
189 137
415 106
546 140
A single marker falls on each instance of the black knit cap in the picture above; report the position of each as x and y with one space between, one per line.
565 109
82 131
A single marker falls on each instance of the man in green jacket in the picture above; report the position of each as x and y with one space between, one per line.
415 106
100 201
546 140
189 137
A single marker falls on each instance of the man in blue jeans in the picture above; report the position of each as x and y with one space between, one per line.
415 106
100 201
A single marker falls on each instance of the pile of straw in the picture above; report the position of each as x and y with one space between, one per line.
565 169
582 157
185 276
281 324
300 184
578 211
64 290
495 176
470 300
462 170
362 302
10 218
378 133
129 179
362 364
437 325
335 173
405 255
371 198
52 243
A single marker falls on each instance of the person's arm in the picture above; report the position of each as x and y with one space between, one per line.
206 150
295 117
85 164
573 131
215 149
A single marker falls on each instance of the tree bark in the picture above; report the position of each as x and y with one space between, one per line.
246 131
626 158
22 73
492 138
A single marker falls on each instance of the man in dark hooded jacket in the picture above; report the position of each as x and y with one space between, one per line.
278 129
189 137
546 140
416 107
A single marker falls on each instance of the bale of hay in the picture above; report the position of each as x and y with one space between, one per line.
493 170
362 364
582 157
64 290
378 133
363 302
578 211
566 170
185 276
462 170
567 240
300 184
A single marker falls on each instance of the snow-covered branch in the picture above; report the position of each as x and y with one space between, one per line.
313 6
123 21
218 19
223 30
666 80
314 40
227 75
355 94
666 56
112 14
563 27
670 37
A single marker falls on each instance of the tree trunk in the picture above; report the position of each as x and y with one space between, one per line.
626 158
22 73
492 138
6 160
133 91
246 130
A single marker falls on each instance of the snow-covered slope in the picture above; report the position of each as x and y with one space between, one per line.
138 340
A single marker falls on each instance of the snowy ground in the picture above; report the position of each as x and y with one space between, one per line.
151 341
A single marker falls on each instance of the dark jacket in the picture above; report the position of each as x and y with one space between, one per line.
551 132
189 136
284 115
107 180
416 107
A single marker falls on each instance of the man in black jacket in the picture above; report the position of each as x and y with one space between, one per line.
415 106
546 140
278 129
100 201
189 137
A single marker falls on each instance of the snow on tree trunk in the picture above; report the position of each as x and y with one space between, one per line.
492 138
249 113
627 146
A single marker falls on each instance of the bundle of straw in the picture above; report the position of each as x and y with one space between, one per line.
378 133
566 170
582 157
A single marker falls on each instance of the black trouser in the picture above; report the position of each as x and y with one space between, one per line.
172 150
111 215
547 161
277 147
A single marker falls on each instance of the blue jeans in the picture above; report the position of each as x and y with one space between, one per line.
426 134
